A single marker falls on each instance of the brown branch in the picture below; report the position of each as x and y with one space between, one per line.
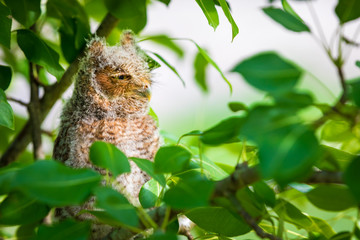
343 97
17 101
249 219
52 94
34 114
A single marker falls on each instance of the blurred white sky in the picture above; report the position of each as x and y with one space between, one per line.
180 109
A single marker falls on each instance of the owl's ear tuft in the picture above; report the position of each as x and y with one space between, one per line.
127 38
96 46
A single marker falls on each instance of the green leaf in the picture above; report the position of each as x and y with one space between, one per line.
6 112
167 42
334 159
286 19
108 156
225 8
5 76
5 23
132 14
357 63
355 90
166 2
25 12
213 171
336 131
67 229
290 10
19 209
293 99
218 220
116 206
149 193
172 68
237 106
263 191
57 185
269 72
209 10
321 226
352 178
200 65
331 197
291 214
189 193
159 235
148 167
7 175
208 58
171 159
224 132
251 203
342 236
37 51
347 10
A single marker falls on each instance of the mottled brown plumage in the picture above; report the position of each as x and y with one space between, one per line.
110 103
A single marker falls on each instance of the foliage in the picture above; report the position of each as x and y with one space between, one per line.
283 157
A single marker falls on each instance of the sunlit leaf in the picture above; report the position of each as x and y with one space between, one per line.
37 51
6 112
108 156
286 19
5 23
289 9
116 206
171 159
167 42
225 8
336 131
291 214
67 229
149 193
25 12
331 197
347 10
209 10
57 185
269 72
218 220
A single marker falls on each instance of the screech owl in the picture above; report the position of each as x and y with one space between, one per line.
110 103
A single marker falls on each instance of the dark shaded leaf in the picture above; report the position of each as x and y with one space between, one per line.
132 14
286 19
116 206
269 72
5 23
352 178
25 12
200 65
149 193
57 185
148 167
291 214
6 112
237 106
189 193
347 10
218 220
263 191
67 229
209 10
108 156
37 51
224 132
19 209
251 203
290 10
355 90
331 197
5 76
166 2
225 8
357 63
342 236
171 159
293 99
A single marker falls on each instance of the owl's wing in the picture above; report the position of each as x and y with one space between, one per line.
62 146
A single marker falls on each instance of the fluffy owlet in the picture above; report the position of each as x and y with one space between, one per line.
110 103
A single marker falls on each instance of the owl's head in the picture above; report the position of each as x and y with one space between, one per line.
118 73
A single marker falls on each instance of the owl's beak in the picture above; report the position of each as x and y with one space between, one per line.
144 93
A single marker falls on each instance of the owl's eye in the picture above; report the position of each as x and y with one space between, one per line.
121 77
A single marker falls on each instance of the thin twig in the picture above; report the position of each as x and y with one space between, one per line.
47 133
52 94
34 114
22 103
343 97
249 219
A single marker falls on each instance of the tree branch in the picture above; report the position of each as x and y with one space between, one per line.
52 94
17 101
343 97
